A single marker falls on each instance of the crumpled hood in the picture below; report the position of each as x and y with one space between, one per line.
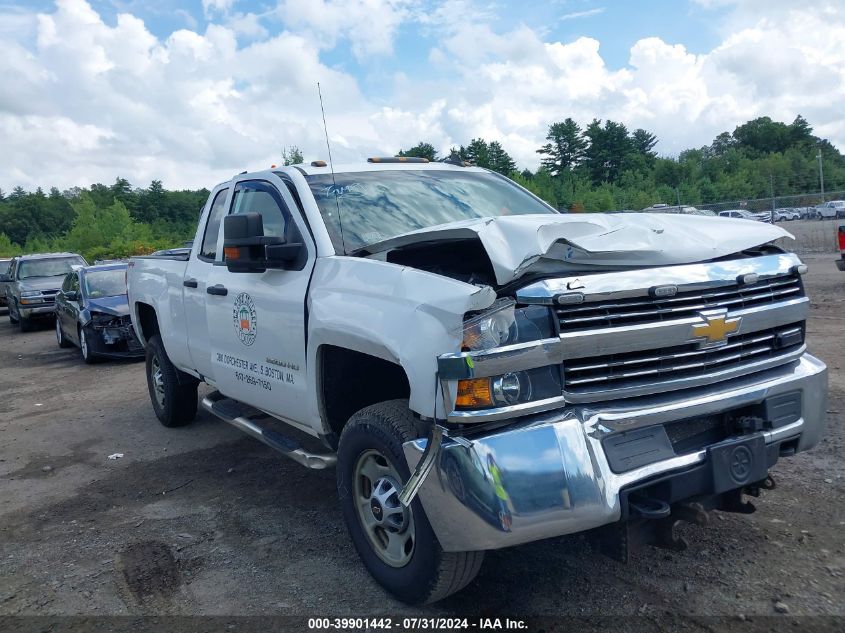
518 244
115 306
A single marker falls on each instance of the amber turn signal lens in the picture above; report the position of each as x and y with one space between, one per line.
474 393
232 253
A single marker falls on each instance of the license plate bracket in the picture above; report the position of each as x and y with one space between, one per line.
738 462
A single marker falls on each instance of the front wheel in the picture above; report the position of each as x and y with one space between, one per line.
25 323
87 355
397 544
172 392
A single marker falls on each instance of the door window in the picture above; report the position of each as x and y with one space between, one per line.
212 226
260 197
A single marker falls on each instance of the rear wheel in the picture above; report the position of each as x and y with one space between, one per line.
397 544
60 335
172 392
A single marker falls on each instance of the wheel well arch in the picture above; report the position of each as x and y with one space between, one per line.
349 380
147 321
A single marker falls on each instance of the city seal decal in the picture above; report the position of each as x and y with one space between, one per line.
245 318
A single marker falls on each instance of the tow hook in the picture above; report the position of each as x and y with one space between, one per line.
691 513
733 502
665 536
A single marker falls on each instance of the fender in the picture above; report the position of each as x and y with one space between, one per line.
402 315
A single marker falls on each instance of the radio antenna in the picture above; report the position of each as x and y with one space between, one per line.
331 167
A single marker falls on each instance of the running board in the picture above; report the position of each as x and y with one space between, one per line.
230 411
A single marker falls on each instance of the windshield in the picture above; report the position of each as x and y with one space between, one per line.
377 205
105 283
52 267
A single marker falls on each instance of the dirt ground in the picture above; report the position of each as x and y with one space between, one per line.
202 520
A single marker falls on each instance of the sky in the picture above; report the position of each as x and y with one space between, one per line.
191 92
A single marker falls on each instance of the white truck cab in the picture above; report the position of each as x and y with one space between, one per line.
481 370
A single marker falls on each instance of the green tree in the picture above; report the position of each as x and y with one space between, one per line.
477 152
151 203
762 135
565 149
7 247
608 147
420 150
292 156
643 142
499 160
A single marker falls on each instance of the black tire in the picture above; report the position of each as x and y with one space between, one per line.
60 336
431 574
87 355
26 324
12 319
179 390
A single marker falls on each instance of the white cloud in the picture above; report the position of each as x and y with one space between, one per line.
369 25
84 101
209 7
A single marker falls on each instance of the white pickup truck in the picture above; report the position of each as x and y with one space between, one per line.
481 370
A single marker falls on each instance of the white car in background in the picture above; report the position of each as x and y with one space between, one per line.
787 215
742 214
831 210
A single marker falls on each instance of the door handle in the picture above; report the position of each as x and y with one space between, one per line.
190 283
219 290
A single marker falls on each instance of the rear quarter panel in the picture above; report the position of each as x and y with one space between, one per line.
157 282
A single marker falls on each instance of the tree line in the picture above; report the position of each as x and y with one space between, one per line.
604 166
100 221
600 167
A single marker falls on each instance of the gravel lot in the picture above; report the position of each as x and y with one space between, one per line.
202 520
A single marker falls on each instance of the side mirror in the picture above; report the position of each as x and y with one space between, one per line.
246 249
72 295
5 277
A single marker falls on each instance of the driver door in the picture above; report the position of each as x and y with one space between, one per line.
257 319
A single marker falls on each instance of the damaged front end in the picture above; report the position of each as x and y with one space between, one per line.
112 336
621 402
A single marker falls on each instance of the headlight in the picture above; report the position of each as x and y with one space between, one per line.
501 325
30 293
517 387
504 324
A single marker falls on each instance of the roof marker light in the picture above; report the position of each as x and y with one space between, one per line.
801 269
318 163
748 279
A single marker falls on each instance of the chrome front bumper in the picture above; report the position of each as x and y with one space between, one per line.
547 475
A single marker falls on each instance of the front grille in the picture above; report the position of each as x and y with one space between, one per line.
625 312
655 366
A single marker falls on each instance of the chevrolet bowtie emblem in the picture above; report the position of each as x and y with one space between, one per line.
716 329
